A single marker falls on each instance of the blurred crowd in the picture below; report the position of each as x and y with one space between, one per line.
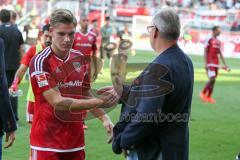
205 4
20 6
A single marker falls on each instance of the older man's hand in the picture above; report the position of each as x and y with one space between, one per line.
10 138
108 125
109 95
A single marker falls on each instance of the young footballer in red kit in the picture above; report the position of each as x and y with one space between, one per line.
211 52
61 86
85 42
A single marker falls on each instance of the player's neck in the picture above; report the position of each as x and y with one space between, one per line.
84 31
214 36
58 53
163 45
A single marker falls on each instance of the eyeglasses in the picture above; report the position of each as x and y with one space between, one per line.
149 28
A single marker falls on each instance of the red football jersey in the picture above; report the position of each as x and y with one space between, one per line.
213 46
53 130
29 55
85 43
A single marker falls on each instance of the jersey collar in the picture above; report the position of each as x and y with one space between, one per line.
58 58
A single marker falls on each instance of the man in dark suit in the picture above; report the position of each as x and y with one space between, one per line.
7 119
13 42
154 119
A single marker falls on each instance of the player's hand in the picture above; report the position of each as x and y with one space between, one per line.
206 67
109 96
110 139
226 68
108 125
125 153
10 138
13 88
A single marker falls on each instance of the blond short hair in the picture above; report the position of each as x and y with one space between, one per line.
62 16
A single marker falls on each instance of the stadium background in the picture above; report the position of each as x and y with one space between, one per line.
214 128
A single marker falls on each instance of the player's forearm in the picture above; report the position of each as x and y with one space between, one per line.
205 56
71 104
21 71
222 58
18 77
21 51
95 60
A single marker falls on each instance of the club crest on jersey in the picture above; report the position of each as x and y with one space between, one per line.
77 66
58 70
41 80
90 38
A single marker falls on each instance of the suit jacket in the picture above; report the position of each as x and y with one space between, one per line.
7 120
156 108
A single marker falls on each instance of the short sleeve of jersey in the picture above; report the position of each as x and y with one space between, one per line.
40 77
28 56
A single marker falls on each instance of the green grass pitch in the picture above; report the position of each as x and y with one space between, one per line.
214 128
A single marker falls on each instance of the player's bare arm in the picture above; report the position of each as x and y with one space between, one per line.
223 60
18 77
106 121
205 57
64 103
21 71
22 50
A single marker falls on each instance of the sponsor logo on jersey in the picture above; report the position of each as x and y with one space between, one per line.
76 83
58 70
84 44
90 38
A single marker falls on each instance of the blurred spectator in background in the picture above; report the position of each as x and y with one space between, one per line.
106 33
13 42
13 18
94 27
125 33
32 29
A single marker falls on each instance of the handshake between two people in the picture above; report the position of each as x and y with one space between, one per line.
109 96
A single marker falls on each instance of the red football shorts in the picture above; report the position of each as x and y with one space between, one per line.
212 72
47 155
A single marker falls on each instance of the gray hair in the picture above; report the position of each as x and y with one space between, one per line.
62 16
168 23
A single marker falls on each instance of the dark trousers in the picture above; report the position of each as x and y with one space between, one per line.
14 100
